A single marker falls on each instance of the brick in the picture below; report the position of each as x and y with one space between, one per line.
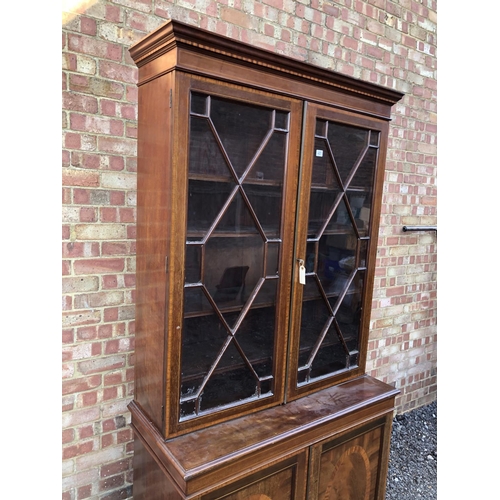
75 318
72 177
96 86
118 145
101 364
78 102
100 299
80 284
79 479
100 231
236 17
93 266
79 249
118 72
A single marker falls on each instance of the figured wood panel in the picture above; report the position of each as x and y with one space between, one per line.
276 487
350 470
285 480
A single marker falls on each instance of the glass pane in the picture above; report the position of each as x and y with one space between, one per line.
237 218
272 259
256 338
193 264
205 155
231 381
323 170
331 356
266 203
205 201
267 294
321 128
349 313
311 256
360 190
195 301
202 340
270 164
336 261
374 138
241 128
353 359
315 317
363 252
233 266
281 120
324 191
347 144
198 104
363 179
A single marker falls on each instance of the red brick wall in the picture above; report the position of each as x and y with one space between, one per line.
392 43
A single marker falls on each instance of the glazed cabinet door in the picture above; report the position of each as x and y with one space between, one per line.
341 173
237 155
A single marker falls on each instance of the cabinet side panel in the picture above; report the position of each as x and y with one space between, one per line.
153 200
150 481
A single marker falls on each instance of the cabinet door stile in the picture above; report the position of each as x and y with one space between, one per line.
177 221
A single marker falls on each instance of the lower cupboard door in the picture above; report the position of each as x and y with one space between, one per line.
351 470
283 481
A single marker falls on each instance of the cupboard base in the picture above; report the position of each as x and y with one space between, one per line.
333 444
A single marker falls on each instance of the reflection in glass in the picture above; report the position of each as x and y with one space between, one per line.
349 313
359 192
239 267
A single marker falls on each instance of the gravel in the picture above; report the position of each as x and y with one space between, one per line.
413 457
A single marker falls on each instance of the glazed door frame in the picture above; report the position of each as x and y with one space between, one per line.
184 86
314 113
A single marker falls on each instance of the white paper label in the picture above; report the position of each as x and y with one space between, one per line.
319 153
302 275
